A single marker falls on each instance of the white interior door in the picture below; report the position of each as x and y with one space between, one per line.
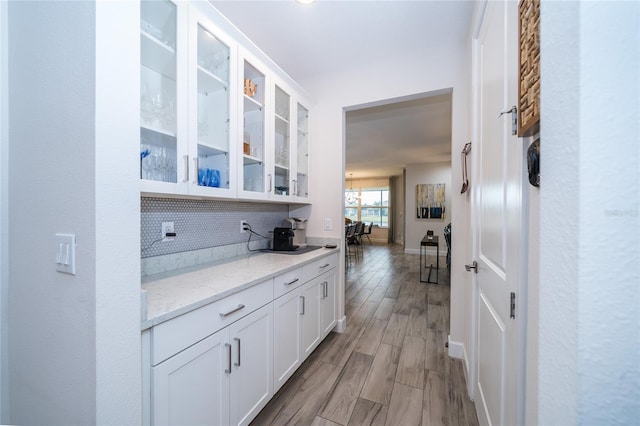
497 209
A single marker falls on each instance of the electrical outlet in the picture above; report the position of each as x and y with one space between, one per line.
167 227
243 223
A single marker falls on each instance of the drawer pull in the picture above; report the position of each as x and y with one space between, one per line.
292 282
228 370
237 364
325 265
224 315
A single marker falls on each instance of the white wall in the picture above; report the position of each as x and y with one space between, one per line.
74 341
589 330
393 77
117 208
51 189
417 228
4 212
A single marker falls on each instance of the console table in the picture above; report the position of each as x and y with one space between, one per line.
431 240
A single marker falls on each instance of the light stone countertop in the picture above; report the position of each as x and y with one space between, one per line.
174 293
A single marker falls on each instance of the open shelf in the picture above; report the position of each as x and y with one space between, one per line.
157 55
209 83
205 150
249 160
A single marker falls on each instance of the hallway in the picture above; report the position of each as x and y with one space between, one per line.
390 366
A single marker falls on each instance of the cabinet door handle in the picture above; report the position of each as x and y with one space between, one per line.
228 370
195 171
292 282
325 265
186 168
326 289
322 290
302 298
237 364
295 188
226 314
269 175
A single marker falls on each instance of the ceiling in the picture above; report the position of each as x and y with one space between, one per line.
328 35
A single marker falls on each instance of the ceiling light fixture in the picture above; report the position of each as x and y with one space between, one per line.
305 1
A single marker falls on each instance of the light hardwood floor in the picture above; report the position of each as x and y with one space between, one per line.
390 366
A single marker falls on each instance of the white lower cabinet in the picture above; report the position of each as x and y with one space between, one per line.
328 309
220 364
311 317
192 388
287 323
224 379
302 318
252 369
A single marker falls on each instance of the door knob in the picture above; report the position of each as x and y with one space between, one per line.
473 266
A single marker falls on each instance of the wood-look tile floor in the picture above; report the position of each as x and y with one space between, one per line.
390 366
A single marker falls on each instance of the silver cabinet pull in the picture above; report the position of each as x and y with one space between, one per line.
195 171
324 266
269 175
186 168
292 282
295 188
302 298
228 370
326 289
237 364
226 314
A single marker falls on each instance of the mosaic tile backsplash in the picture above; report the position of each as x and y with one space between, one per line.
203 224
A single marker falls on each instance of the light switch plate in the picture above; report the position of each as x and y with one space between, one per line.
65 250
327 224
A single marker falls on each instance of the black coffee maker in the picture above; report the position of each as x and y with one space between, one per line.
283 239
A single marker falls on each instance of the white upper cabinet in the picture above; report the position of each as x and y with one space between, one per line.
253 128
212 101
162 97
280 175
301 182
214 122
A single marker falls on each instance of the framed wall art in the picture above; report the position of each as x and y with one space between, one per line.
430 201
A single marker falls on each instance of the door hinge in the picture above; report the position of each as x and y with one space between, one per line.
512 315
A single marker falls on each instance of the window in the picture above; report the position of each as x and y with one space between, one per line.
368 205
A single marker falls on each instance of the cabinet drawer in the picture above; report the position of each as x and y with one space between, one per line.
319 266
286 282
177 334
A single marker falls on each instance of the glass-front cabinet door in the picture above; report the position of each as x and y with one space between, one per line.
211 79
301 183
161 129
253 165
281 143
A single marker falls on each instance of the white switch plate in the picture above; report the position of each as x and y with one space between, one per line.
327 224
65 250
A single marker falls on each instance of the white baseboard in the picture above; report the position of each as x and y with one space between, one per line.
459 351
341 325
456 349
